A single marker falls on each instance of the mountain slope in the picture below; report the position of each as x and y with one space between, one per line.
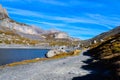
31 33
102 37
7 23
24 29
108 53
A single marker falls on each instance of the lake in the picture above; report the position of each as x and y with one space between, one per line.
14 55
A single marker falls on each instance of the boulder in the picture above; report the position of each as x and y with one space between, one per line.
54 52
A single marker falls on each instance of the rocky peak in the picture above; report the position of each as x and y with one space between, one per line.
3 13
61 35
28 30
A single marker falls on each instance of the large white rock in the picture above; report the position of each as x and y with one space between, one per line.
51 53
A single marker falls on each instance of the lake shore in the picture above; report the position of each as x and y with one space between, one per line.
58 69
15 46
62 55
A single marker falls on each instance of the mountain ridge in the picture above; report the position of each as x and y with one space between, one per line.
13 32
24 29
101 37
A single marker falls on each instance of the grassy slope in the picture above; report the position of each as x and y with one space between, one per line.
109 53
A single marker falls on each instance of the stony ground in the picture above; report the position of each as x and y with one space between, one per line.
62 69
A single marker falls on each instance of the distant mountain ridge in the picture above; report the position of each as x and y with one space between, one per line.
23 29
101 37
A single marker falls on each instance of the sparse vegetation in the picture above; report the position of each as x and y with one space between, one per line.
72 53
108 47
68 43
9 37
108 53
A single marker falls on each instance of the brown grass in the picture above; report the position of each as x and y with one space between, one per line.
108 53
72 53
107 48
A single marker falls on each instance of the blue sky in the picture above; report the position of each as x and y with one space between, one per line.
83 19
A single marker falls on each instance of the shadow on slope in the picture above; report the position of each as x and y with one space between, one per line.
98 71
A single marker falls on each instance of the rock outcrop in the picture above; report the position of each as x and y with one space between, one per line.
8 23
3 13
54 52
27 30
61 35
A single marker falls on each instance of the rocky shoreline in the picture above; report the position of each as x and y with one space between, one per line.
60 69
57 56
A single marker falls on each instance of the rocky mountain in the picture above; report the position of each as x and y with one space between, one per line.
101 37
20 28
3 13
13 32
25 30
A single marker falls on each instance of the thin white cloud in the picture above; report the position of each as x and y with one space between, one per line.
107 21
41 22
53 2
68 3
23 12
63 19
40 15
53 24
90 19
60 25
70 29
87 31
83 33
74 19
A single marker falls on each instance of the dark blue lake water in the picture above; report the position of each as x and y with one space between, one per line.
14 55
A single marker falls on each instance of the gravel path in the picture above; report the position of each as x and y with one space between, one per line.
62 69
